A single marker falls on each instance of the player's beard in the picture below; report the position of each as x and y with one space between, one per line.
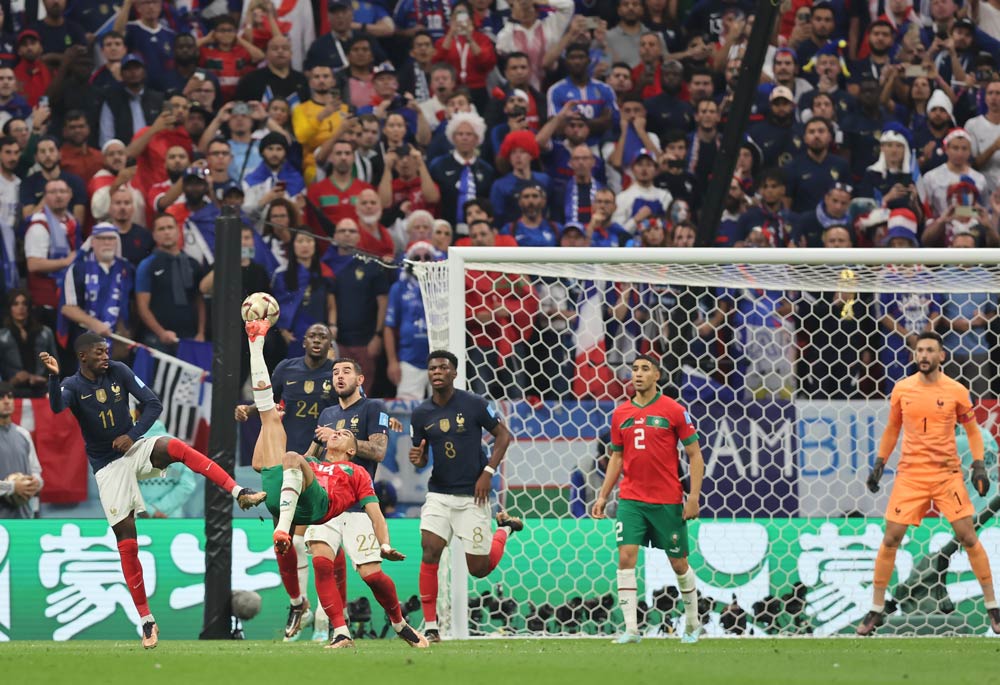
931 368
347 392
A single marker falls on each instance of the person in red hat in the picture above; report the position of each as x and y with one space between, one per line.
520 149
33 77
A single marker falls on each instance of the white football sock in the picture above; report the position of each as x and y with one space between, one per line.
628 600
431 625
291 487
263 398
299 543
689 593
322 621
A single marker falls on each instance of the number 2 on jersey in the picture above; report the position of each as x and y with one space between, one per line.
639 439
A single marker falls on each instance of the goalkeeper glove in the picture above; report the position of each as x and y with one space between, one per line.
980 480
875 476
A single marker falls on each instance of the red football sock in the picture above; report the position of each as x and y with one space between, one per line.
385 594
340 574
288 567
200 464
132 569
429 590
326 589
496 549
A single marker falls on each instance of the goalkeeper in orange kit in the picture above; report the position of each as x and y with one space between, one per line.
926 406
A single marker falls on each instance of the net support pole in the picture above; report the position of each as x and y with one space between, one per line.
456 344
222 438
736 123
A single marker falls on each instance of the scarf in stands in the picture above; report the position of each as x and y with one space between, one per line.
337 261
287 173
104 299
825 220
58 240
572 207
633 143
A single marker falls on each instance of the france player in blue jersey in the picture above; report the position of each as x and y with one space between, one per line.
119 454
452 422
352 531
305 386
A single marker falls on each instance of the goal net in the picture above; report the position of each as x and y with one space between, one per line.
784 359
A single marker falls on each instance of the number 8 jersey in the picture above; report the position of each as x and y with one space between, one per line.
647 436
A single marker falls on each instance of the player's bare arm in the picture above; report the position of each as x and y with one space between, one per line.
382 532
501 442
611 477
374 447
418 454
50 362
244 412
696 467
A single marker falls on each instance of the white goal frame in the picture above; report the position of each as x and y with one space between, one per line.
604 262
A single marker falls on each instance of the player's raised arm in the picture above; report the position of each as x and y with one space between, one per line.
56 400
696 467
381 529
888 442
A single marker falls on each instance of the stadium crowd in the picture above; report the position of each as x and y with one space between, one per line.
354 134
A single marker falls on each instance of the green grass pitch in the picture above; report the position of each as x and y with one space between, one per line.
938 661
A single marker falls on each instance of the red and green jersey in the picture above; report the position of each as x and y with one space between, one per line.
647 436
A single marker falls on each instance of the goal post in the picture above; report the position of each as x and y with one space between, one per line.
784 358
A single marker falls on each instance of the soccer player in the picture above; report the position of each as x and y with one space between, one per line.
303 491
645 432
119 454
352 531
304 384
458 494
926 406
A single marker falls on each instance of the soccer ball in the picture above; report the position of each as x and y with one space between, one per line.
260 306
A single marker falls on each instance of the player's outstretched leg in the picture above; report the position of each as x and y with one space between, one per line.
686 581
384 591
885 561
169 450
329 599
965 531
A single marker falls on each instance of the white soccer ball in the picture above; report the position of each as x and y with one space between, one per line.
260 306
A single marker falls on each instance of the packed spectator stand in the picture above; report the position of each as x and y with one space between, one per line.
351 135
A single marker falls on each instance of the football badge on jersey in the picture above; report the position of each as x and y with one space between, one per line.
327 387
340 424
459 423
354 423
444 425
359 274
308 386
102 395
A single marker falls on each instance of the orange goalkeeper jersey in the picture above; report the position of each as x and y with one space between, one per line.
928 413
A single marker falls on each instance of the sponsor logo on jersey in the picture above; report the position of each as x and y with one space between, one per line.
444 425
308 386
102 395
